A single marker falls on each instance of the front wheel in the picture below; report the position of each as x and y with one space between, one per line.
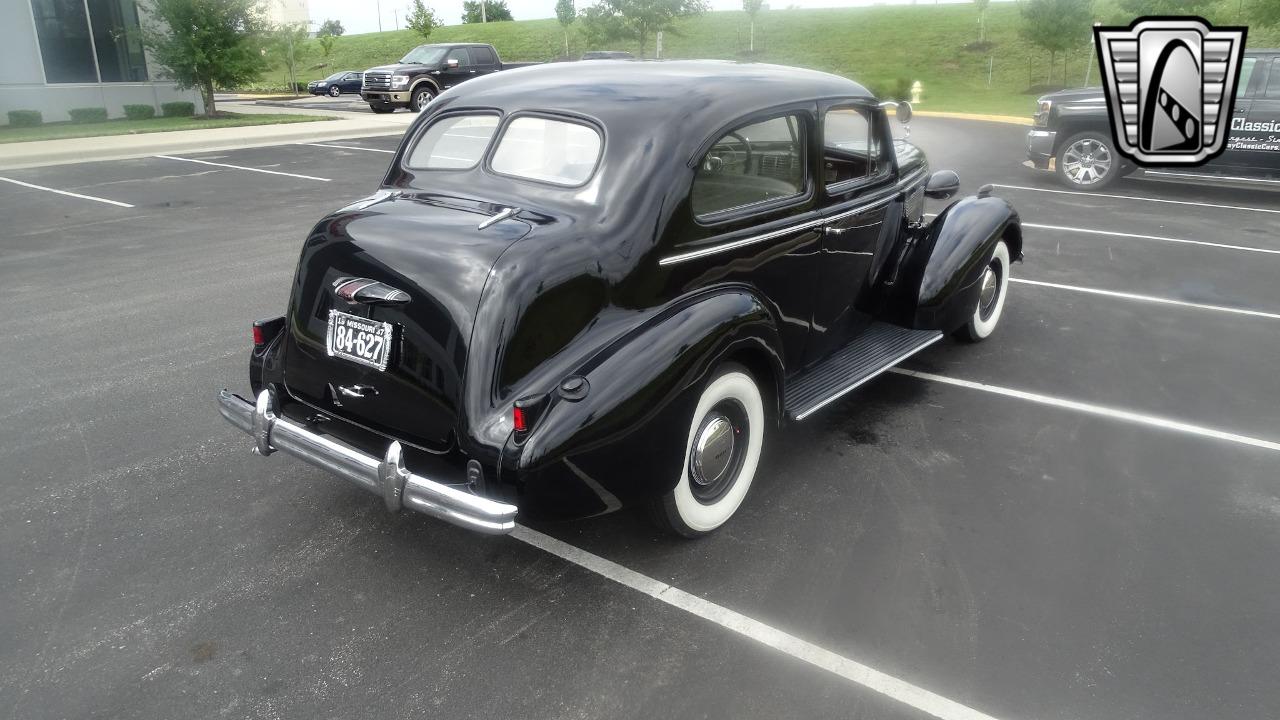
1086 161
726 435
382 109
334 91
422 96
992 289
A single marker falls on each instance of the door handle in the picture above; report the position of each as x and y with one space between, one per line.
834 232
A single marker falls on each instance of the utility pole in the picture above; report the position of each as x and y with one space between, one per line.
396 14
483 18
379 6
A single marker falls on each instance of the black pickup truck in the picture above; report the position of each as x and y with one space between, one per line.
1072 135
426 71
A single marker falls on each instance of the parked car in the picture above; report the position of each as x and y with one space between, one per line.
426 71
608 287
1072 134
346 81
607 55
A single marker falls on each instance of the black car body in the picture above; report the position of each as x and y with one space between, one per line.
562 267
607 55
345 81
426 71
1072 134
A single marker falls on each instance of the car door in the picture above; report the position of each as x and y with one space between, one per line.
452 74
749 219
1255 146
484 60
857 188
352 81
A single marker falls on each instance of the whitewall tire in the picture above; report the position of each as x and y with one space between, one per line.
992 290
722 452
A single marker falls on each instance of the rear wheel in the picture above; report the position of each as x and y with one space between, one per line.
422 96
381 109
993 286
726 435
1086 161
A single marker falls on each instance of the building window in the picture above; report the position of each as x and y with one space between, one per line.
65 29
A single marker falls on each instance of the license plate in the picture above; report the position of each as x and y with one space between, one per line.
359 340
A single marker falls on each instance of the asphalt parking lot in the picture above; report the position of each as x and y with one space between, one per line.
1076 519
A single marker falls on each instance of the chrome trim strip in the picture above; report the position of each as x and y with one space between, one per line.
753 239
841 393
386 476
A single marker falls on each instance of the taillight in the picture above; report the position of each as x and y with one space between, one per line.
525 413
258 339
264 331
518 419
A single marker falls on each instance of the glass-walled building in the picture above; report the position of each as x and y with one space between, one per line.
61 54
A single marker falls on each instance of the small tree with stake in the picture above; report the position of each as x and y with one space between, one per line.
982 18
205 44
473 11
1056 26
566 14
422 19
752 8
287 40
636 19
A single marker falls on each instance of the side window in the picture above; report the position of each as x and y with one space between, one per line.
1273 80
456 142
459 54
483 56
1246 73
353 76
851 146
753 164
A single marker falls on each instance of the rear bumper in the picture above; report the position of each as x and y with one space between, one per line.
385 476
1040 147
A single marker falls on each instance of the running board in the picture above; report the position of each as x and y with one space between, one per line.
878 348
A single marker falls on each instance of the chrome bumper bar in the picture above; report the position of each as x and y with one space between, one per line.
384 476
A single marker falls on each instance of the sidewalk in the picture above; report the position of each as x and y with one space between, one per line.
14 156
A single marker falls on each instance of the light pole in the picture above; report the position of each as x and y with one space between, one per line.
379 5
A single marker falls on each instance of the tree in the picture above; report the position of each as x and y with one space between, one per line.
982 18
636 19
1264 13
330 28
1138 8
326 44
287 42
206 43
566 14
492 11
422 19
1056 26
752 8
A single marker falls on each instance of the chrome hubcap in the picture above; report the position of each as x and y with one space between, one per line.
1086 161
990 284
712 451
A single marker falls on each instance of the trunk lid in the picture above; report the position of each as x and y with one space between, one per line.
428 247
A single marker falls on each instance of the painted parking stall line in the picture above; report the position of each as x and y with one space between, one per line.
1147 298
348 147
33 186
242 167
1097 410
1135 197
1160 238
868 677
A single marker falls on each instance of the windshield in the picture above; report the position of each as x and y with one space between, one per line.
424 55
335 76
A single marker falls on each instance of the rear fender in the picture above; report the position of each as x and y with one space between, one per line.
629 433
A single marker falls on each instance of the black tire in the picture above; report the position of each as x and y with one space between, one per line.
728 431
334 91
1087 161
990 305
382 109
421 97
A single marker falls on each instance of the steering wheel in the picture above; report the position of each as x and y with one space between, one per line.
726 148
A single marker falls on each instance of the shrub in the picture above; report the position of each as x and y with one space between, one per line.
88 115
25 118
139 112
178 109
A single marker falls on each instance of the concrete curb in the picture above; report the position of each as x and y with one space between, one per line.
1010 119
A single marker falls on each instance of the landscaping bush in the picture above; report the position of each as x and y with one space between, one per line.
25 118
139 112
88 115
178 109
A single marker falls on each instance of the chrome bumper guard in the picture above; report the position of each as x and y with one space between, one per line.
384 476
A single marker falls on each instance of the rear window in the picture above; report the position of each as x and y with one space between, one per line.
453 143
552 151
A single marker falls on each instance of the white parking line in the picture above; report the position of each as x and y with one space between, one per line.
1147 298
1132 197
241 167
348 147
1110 233
1202 176
117 203
839 665
1099 410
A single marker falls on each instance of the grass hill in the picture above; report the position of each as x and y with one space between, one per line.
882 47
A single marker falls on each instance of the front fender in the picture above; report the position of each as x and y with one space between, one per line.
629 433
950 257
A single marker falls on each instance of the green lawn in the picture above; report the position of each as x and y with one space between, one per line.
878 46
59 131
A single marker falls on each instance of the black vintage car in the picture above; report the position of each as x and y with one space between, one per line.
346 81
1072 135
579 291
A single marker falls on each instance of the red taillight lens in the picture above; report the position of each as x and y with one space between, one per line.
517 416
259 337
